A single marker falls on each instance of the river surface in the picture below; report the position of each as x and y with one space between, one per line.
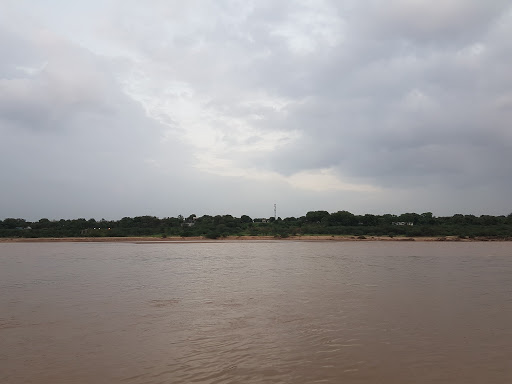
256 312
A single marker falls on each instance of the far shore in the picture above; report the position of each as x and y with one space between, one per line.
201 239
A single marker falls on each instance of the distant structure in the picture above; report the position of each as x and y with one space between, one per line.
275 211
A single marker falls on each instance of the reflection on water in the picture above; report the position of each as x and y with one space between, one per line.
256 312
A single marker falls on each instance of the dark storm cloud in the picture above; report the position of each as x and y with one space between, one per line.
410 93
421 114
449 23
411 98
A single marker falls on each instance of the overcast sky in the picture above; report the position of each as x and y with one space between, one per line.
119 108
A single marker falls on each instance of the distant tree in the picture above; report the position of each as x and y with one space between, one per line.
470 219
11 223
489 220
126 222
409 218
315 222
458 219
426 218
344 218
245 219
388 219
44 223
369 220
316 216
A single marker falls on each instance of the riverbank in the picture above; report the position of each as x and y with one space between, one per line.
244 238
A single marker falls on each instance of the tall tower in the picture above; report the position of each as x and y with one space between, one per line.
275 211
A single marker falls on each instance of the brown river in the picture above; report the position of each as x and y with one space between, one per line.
256 312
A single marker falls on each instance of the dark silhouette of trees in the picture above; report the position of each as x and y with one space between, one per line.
314 222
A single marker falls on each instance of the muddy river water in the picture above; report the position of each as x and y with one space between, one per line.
256 312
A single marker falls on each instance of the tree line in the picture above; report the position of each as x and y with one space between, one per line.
313 223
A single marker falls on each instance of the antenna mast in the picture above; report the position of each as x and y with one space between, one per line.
275 211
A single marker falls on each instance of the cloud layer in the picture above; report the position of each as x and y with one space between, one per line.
163 107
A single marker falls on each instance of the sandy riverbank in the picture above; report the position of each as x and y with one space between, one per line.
241 238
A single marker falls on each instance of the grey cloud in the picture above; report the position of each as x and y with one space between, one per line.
410 96
424 22
70 83
382 139
73 144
